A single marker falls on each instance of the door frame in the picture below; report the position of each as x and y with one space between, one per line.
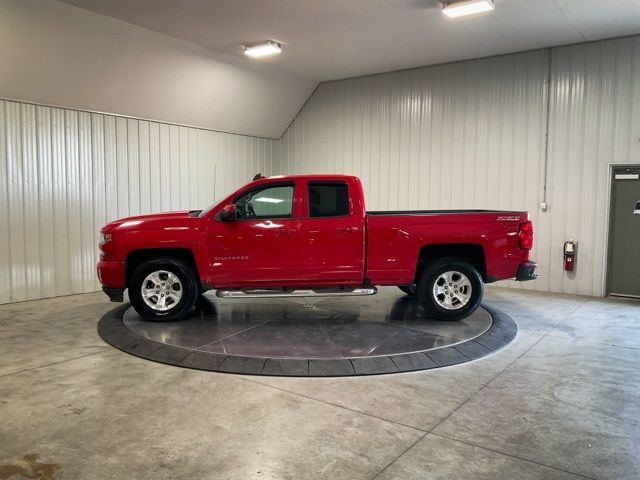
613 169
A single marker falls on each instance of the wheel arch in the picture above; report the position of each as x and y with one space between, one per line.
136 257
473 253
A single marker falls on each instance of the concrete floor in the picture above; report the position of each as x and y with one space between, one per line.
561 402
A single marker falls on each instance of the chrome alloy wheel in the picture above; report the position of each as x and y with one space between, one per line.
452 290
161 290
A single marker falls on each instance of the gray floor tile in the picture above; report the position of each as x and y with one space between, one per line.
565 405
418 399
117 416
603 325
569 401
27 343
595 379
438 458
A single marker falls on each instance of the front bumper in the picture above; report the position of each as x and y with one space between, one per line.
111 276
527 271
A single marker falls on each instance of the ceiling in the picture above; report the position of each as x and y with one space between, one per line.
331 39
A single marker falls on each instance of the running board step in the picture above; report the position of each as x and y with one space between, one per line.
266 293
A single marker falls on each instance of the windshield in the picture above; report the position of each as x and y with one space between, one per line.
267 201
210 207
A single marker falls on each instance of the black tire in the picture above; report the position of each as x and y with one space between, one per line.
188 285
434 303
408 289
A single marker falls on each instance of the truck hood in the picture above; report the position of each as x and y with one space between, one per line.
154 220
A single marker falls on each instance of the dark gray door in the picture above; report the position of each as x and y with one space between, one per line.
624 241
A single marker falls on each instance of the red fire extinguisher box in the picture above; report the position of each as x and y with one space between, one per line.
570 249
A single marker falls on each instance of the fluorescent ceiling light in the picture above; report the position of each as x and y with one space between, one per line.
262 49
269 200
469 7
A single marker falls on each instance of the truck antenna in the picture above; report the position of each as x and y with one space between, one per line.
258 176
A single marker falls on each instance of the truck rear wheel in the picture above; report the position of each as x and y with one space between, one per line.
450 289
163 289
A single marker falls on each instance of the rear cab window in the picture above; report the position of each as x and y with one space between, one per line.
328 199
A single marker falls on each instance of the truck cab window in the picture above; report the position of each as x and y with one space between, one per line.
266 202
328 199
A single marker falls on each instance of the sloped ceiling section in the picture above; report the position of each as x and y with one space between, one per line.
57 54
334 39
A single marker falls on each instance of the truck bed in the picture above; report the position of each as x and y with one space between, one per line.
395 239
437 212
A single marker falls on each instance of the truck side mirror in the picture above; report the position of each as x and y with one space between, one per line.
229 213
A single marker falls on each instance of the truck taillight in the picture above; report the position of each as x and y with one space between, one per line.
525 236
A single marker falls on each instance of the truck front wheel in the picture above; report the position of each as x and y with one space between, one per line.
450 289
163 288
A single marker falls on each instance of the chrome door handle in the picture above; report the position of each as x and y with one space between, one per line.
348 229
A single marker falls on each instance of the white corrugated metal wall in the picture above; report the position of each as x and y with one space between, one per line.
464 135
594 122
64 173
461 135
472 135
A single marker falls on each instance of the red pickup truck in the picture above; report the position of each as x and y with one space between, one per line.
304 235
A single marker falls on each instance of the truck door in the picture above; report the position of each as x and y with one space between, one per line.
332 235
262 246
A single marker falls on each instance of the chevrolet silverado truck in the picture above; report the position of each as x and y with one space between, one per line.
306 235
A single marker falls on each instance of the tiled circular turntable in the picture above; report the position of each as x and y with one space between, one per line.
342 336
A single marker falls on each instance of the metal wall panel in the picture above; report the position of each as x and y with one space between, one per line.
472 135
594 122
65 173
462 135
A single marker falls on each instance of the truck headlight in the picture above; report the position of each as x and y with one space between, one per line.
103 246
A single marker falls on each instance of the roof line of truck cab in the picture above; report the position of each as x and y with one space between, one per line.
326 177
